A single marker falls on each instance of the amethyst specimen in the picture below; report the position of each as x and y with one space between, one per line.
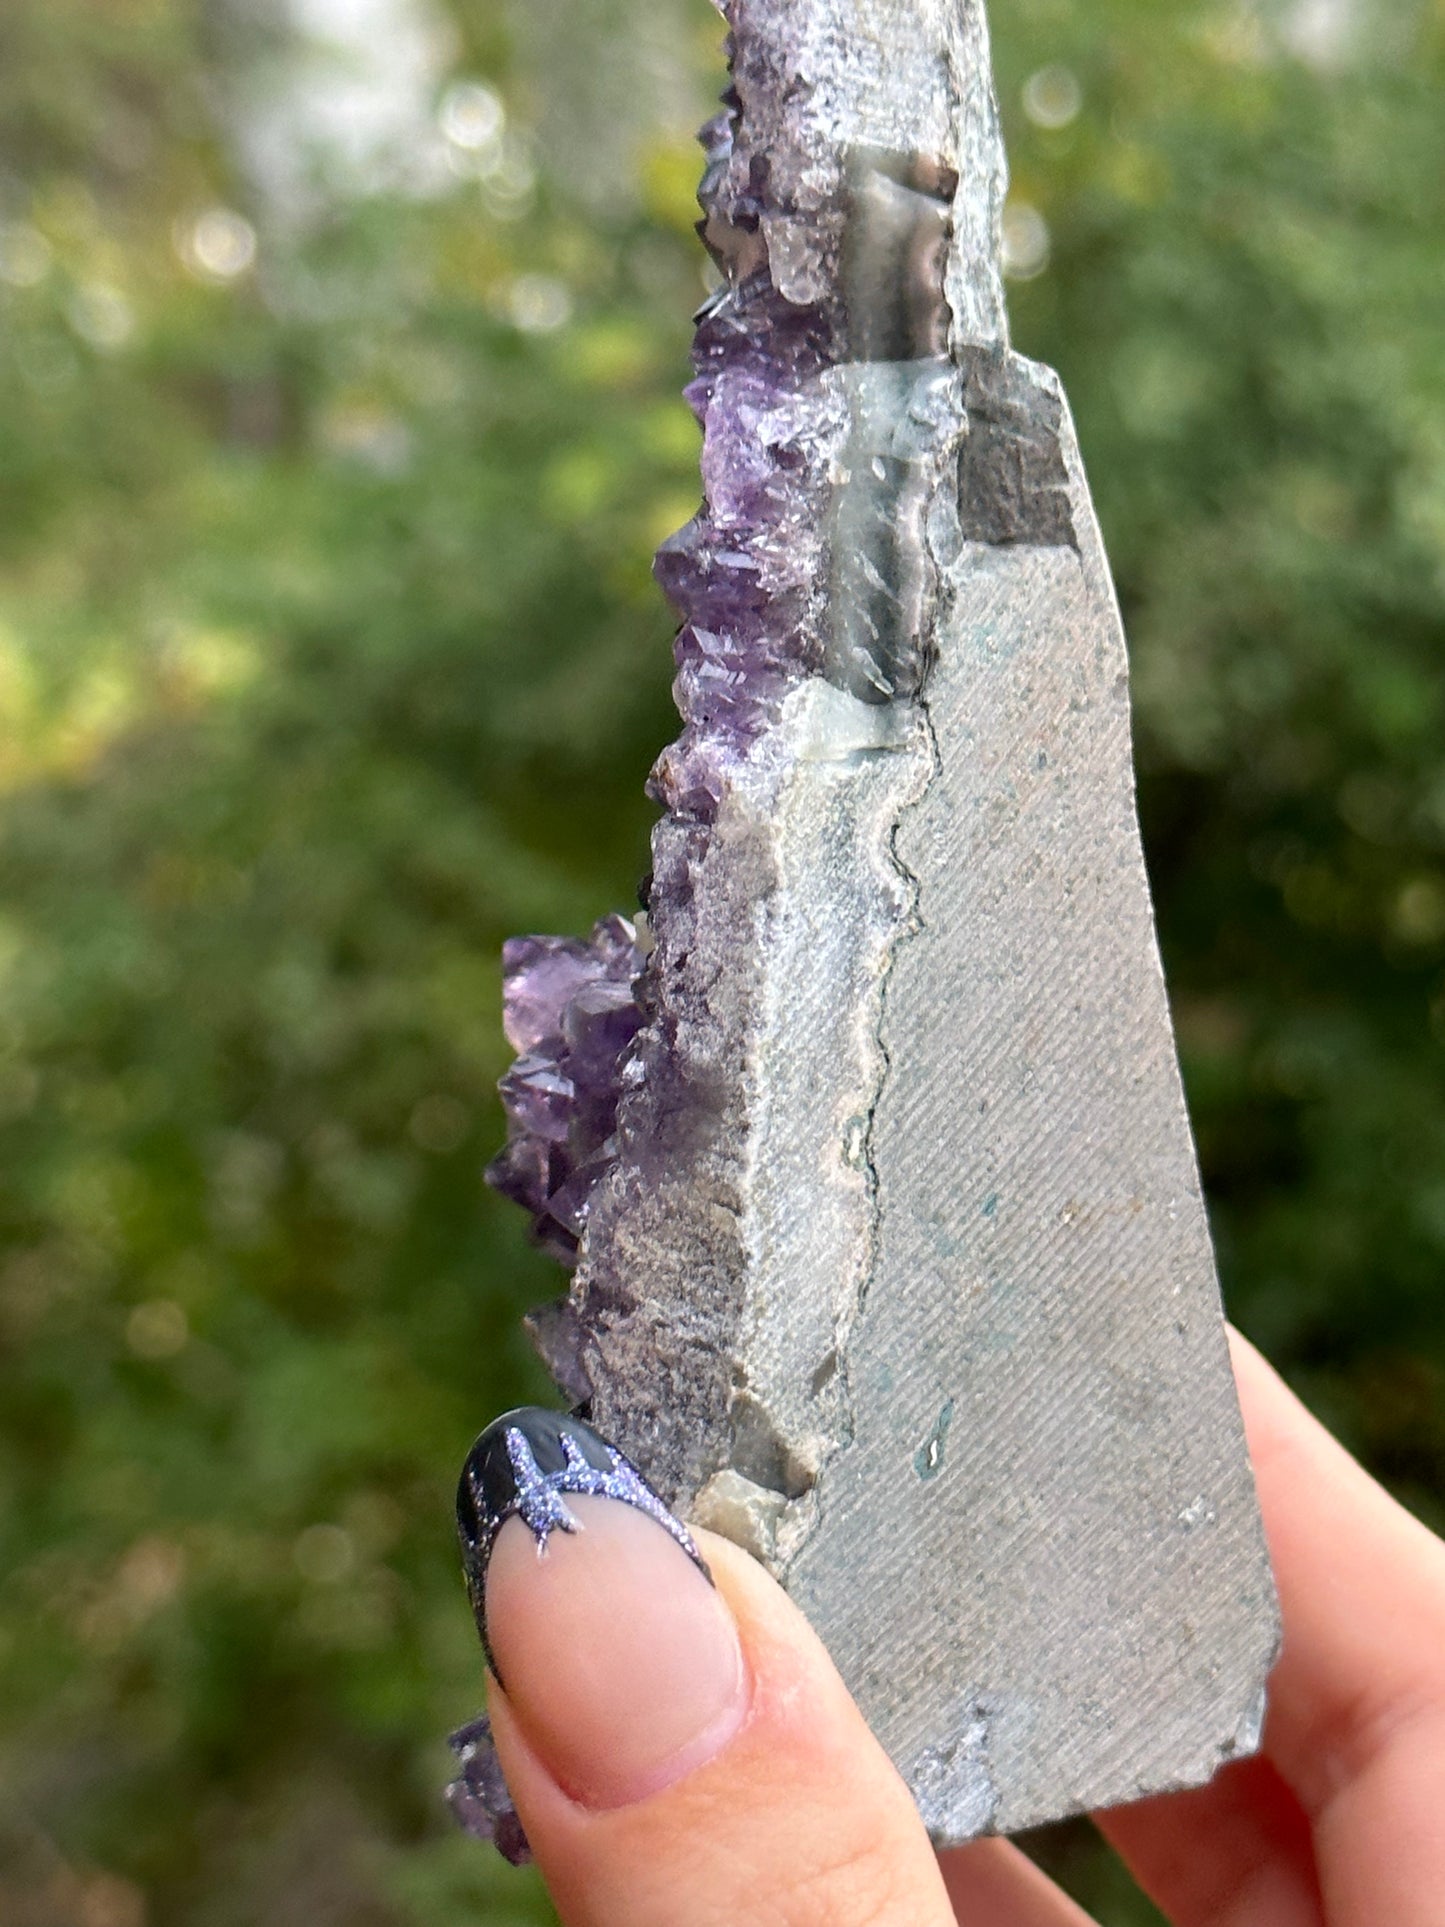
891 1258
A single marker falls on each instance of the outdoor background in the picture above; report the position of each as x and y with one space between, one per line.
340 349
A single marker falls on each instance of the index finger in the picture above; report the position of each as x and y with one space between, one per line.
1356 1724
1347 1794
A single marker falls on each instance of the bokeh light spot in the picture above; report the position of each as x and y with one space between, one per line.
471 116
219 245
508 179
102 316
324 1554
1052 97
157 1329
538 304
1025 241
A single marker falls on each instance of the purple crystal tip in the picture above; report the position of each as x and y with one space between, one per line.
478 1797
570 1009
745 573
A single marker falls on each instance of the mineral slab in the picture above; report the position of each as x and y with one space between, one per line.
868 1143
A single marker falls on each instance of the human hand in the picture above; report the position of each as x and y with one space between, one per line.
688 1757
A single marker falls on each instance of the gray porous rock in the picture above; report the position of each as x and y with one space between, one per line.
868 1143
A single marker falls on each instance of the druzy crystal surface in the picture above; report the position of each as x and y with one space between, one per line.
570 1011
870 1151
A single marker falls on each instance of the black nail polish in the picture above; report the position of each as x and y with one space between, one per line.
524 1466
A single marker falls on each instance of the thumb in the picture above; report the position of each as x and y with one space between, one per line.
679 1747
678 1744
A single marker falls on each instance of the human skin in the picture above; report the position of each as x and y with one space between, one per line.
688 1758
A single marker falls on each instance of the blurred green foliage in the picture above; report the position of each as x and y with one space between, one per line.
338 416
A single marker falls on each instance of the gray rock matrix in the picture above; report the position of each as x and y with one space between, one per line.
899 1273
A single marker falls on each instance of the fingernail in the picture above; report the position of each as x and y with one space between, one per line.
618 1658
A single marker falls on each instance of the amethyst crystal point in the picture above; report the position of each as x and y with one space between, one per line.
748 573
478 1797
891 1259
569 1008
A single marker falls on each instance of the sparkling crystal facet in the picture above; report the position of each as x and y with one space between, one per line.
570 1009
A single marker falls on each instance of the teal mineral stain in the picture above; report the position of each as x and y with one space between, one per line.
928 1459
990 1204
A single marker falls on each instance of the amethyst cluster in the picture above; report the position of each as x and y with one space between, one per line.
570 1010
748 573
749 577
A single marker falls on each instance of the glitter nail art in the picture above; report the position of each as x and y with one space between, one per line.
526 1465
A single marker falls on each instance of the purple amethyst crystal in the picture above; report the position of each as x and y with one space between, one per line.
748 575
748 572
569 1008
478 1797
